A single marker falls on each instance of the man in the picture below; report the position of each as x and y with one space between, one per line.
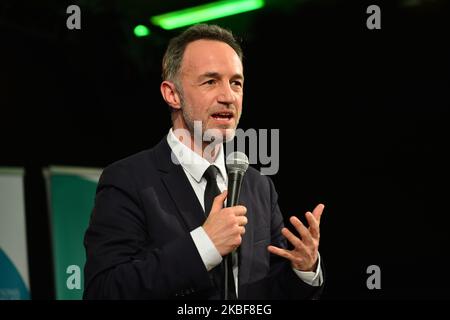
157 232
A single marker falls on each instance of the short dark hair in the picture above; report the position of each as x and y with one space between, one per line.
173 56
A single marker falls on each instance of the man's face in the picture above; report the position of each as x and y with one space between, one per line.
212 79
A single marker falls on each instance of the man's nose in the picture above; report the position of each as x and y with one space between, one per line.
226 94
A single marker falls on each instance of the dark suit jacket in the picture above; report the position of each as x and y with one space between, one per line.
138 242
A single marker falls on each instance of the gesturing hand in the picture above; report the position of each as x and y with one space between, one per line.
306 248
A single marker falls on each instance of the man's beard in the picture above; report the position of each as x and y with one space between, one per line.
213 133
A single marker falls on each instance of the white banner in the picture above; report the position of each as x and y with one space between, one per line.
14 278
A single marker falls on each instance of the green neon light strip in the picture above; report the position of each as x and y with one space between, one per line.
211 11
141 31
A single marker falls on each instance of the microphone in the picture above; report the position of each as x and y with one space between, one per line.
237 165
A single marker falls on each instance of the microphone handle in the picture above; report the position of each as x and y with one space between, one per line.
234 187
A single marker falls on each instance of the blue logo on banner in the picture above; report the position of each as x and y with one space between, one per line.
12 286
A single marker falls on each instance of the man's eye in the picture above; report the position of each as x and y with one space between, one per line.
210 82
237 83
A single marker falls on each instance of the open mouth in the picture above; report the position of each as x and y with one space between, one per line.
222 116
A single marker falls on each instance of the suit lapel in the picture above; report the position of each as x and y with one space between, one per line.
179 187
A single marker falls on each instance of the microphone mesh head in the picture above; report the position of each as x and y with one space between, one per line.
237 161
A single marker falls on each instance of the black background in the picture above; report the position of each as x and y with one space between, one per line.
363 119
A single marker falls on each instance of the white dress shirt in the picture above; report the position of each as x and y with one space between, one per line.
194 167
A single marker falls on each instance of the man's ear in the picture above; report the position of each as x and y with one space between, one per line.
170 94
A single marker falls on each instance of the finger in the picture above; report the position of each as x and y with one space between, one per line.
280 252
292 238
218 201
241 220
304 232
317 212
239 210
313 225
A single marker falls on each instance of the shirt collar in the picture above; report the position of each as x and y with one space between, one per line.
191 161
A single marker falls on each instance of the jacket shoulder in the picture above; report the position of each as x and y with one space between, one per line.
139 159
139 169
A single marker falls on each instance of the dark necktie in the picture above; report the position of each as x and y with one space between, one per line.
211 191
